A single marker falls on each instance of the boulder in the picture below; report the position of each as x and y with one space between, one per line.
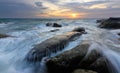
115 19
100 65
53 25
49 24
77 58
68 60
50 45
100 20
3 35
79 29
119 34
83 71
111 23
89 59
56 25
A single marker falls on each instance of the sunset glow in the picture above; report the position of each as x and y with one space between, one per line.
59 8
74 15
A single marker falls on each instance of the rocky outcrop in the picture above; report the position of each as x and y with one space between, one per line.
48 46
119 34
53 25
48 24
80 29
100 65
100 20
78 58
56 25
111 23
67 61
83 71
3 35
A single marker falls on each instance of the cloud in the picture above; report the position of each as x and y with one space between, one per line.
95 8
59 8
20 9
39 4
15 9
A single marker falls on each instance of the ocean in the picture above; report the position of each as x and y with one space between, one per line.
26 33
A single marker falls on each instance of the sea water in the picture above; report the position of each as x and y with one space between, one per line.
26 33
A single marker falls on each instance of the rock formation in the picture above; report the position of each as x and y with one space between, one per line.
78 58
111 23
53 25
50 45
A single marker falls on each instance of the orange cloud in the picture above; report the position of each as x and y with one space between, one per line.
98 6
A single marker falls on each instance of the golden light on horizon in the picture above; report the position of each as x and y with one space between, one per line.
56 14
74 15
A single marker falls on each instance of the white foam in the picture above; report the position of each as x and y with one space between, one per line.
14 49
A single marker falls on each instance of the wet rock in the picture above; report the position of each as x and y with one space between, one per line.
100 20
94 61
77 58
83 71
56 25
54 30
89 59
119 34
51 45
111 23
69 60
53 25
80 29
3 35
100 65
49 24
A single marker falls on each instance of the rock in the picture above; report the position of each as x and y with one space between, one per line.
56 25
54 30
69 60
53 25
119 34
116 19
3 35
83 71
48 46
100 20
79 29
89 59
100 65
49 24
111 23
94 61
77 58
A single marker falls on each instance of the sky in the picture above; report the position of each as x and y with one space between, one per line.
59 8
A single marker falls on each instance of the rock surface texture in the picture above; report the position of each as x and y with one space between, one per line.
111 23
78 58
3 35
53 25
83 71
51 45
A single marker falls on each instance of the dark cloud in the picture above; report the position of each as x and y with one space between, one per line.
53 1
40 5
16 9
